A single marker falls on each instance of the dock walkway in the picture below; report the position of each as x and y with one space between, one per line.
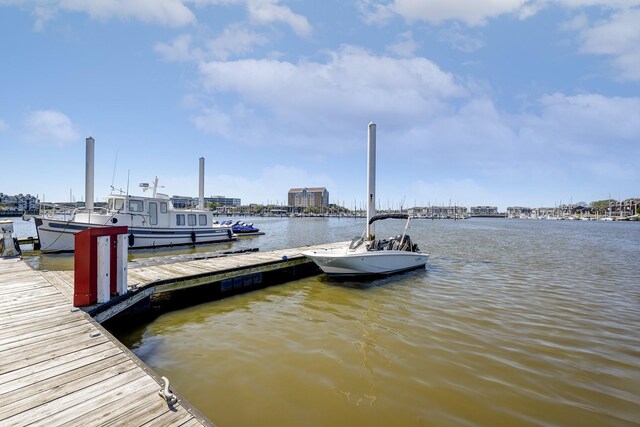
146 277
60 367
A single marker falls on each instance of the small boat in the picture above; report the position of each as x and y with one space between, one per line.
367 255
371 256
241 227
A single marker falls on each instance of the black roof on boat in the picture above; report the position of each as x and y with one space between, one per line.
388 216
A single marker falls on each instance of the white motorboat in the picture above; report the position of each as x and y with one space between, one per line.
152 221
371 257
367 255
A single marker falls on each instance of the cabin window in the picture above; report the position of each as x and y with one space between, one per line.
153 213
110 204
118 204
180 219
192 219
163 207
202 219
136 206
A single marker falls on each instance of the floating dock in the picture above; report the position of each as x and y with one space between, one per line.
220 274
61 367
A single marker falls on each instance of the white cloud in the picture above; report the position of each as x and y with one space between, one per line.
351 83
171 13
235 40
3 125
405 46
179 49
47 127
269 11
472 13
165 12
437 11
619 38
460 40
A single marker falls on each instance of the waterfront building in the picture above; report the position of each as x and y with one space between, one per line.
483 210
308 197
222 201
20 202
438 212
187 202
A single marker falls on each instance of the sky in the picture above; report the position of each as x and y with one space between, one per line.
502 103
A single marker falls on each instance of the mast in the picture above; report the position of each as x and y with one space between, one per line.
371 180
201 184
88 177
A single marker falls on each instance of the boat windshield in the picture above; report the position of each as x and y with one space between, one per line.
357 241
115 204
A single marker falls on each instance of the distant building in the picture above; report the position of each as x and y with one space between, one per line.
439 212
222 201
306 197
187 202
483 210
20 202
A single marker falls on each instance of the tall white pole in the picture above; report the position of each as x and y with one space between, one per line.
201 185
371 179
88 178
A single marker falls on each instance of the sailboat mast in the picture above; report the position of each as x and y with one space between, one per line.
371 179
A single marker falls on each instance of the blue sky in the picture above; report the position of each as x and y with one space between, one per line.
503 102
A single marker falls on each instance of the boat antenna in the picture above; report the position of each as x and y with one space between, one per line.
128 173
113 176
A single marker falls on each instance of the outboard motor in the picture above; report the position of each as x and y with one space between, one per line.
8 245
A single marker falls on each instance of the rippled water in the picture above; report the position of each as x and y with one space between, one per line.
513 322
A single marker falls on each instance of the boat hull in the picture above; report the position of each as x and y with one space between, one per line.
343 263
58 236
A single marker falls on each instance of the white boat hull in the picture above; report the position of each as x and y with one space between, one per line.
58 236
342 262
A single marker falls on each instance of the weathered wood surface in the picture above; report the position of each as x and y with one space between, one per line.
60 367
177 271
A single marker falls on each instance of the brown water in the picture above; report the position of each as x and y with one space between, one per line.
513 322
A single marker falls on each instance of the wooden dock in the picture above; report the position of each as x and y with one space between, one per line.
60 367
225 274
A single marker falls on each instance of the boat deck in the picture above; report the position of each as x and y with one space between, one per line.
60 367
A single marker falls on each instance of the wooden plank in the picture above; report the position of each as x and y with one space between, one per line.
20 304
27 323
35 338
61 283
80 359
38 330
50 363
47 404
39 309
55 382
14 361
111 407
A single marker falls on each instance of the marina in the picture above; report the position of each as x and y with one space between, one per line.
475 338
